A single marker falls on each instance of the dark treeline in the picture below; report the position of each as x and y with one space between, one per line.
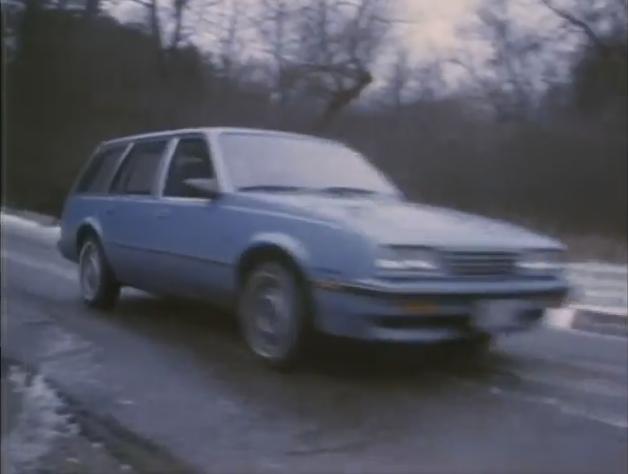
73 81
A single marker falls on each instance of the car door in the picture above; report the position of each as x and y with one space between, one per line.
190 228
131 216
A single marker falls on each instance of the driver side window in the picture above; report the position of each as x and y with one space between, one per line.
191 160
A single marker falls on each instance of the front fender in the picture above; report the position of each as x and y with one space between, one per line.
296 249
321 252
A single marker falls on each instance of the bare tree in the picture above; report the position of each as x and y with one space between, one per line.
399 79
154 22
509 75
197 22
599 67
592 20
92 8
339 41
169 21
511 52
228 32
276 26
429 79
177 17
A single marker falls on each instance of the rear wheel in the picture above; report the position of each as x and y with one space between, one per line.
272 313
99 288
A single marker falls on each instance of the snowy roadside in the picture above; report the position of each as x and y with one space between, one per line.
34 225
39 434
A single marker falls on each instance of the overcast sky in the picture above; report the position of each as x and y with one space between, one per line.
429 26
427 29
435 23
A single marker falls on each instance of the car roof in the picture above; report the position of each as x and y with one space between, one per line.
204 130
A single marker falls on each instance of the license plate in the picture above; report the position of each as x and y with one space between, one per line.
495 314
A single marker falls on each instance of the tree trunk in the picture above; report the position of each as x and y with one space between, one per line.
155 26
179 6
92 8
341 99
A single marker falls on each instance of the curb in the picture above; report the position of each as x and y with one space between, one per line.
600 322
594 320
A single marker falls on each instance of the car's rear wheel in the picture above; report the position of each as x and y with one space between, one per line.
272 312
99 289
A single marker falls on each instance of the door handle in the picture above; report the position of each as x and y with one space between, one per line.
162 213
109 210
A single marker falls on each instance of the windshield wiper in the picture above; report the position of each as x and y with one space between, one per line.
347 190
272 188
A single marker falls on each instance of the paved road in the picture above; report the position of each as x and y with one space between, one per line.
176 373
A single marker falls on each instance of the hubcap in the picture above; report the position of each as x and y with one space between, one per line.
267 311
90 271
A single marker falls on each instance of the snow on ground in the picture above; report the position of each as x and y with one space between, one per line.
599 285
39 436
30 227
36 422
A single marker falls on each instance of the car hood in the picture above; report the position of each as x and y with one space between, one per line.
395 222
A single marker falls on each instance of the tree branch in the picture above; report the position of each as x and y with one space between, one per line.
583 26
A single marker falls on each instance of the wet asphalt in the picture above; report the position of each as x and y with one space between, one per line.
175 373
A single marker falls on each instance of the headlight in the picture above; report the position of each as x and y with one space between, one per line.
541 261
407 259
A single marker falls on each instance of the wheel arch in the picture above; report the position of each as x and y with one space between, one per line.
264 251
85 230
273 251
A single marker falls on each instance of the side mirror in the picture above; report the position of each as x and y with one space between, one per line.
203 187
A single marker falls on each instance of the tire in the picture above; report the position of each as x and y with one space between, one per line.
478 346
99 288
272 311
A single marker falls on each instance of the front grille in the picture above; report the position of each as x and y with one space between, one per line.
480 264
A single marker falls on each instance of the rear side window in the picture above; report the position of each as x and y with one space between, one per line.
97 176
137 173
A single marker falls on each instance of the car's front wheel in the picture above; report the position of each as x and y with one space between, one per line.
272 312
476 347
99 288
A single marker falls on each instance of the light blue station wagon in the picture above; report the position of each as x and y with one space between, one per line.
297 234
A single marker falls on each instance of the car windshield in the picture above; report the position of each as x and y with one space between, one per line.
257 162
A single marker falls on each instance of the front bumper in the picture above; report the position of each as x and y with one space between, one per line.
427 311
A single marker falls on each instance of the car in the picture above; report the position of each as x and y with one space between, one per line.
297 234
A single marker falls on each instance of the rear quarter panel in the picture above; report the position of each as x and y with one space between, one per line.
82 210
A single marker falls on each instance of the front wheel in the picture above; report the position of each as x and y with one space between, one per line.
478 346
99 288
272 312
